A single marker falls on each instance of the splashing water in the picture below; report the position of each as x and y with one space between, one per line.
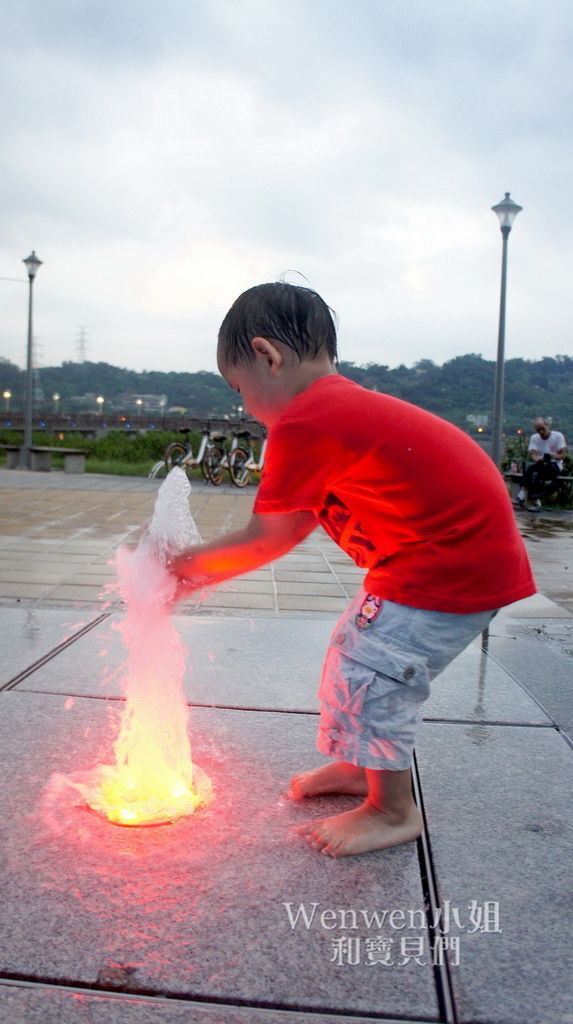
153 780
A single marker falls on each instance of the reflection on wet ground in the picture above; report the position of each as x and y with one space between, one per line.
548 537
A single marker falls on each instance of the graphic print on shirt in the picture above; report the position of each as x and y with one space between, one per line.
336 518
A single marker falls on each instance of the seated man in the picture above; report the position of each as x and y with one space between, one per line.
546 450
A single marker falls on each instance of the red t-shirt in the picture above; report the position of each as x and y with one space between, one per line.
409 496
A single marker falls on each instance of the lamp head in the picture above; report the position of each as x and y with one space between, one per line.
32 264
507 211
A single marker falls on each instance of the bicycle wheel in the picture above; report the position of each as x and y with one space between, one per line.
174 455
211 465
239 467
158 471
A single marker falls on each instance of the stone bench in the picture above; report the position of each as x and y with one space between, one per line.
41 458
12 455
74 459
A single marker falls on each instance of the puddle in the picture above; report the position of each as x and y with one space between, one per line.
538 525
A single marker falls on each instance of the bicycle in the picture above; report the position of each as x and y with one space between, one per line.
180 453
218 465
242 462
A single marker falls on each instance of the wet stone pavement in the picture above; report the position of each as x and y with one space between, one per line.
228 916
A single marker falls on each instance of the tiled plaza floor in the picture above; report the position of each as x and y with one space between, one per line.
59 531
57 545
193 923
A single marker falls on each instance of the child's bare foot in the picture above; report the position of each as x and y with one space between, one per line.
334 777
361 830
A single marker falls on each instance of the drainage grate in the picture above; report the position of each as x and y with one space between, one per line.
13 683
442 972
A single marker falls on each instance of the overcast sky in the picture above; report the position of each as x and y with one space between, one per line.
162 157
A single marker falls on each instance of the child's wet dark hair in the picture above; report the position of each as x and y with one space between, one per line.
288 313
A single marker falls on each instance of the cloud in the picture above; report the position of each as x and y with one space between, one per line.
160 158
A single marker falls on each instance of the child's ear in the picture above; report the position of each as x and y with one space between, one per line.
268 351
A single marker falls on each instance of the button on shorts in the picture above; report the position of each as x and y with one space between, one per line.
376 675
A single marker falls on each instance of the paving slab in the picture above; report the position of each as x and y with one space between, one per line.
25 591
498 803
79 594
536 607
288 576
266 662
44 1005
208 908
275 663
541 654
311 603
314 589
475 687
220 599
28 634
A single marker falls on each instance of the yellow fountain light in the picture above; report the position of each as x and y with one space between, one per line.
156 801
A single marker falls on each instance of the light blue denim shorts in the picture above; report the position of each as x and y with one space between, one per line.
380 661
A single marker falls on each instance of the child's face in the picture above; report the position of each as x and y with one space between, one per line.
256 390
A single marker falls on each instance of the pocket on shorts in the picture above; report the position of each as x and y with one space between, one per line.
411 670
399 679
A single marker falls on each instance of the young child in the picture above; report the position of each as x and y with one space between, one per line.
396 488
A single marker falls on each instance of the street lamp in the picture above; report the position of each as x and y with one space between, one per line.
100 400
139 403
32 264
7 396
56 399
506 211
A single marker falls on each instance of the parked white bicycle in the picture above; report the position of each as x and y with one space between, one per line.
242 461
221 456
180 453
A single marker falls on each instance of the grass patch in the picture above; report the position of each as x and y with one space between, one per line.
112 467
115 467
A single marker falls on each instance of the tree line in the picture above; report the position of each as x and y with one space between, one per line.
459 390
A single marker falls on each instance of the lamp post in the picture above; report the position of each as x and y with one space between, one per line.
7 396
139 403
32 264
506 211
56 399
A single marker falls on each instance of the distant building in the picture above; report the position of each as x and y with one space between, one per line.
148 403
81 400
